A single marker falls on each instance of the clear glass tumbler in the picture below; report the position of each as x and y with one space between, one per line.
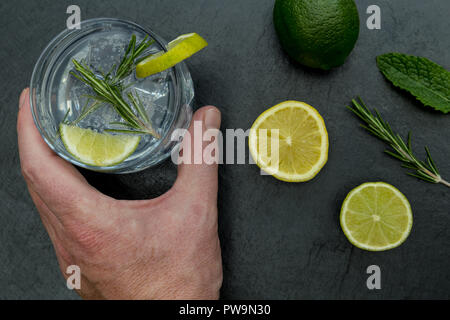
101 43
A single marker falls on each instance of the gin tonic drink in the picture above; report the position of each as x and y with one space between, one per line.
58 96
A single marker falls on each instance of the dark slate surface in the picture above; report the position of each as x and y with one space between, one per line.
279 240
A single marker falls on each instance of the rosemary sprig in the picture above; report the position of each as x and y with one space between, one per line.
112 94
425 170
87 110
66 116
108 89
132 53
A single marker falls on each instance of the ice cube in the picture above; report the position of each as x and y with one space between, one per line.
105 52
153 87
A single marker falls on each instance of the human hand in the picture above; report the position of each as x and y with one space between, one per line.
163 248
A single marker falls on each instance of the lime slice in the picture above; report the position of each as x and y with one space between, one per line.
376 216
97 149
178 50
302 141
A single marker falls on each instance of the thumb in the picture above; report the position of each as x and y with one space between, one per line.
198 159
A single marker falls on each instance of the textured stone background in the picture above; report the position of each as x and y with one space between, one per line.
279 240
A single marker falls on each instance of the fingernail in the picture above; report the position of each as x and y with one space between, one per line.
212 119
22 98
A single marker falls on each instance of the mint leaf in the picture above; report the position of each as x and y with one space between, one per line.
426 80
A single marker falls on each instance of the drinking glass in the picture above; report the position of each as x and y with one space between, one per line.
100 43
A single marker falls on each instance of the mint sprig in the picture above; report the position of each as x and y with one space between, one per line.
426 80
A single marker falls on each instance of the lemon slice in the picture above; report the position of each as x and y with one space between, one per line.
376 216
97 149
178 50
302 141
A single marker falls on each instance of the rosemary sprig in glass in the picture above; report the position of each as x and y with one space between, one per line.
131 54
425 170
109 89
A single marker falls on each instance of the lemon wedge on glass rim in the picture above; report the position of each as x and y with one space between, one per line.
178 50
298 131
97 149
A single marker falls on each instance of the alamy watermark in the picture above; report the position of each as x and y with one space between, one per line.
74 20
374 20
74 280
194 151
374 280
201 146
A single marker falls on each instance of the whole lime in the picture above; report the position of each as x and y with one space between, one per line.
317 33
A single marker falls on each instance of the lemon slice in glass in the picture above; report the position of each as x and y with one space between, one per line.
97 149
297 131
376 216
178 50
